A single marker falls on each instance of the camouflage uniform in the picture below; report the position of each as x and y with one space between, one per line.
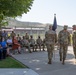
27 36
39 43
25 43
43 44
32 42
13 34
64 41
74 41
50 40
19 39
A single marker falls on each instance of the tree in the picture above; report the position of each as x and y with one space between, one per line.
3 20
13 8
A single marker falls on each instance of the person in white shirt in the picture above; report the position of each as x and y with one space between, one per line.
9 44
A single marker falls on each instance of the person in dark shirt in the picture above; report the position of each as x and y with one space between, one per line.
4 34
4 47
0 52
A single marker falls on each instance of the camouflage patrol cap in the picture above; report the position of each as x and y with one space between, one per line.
65 26
74 25
50 26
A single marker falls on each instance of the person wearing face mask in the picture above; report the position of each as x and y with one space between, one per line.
63 42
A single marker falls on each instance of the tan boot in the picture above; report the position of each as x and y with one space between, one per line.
49 62
63 62
60 59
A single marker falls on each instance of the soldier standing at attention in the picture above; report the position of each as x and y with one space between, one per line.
27 36
74 40
63 41
13 34
50 40
39 42
43 43
32 43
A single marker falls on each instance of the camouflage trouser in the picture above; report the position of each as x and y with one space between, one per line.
33 46
74 49
28 47
38 45
50 49
43 46
63 51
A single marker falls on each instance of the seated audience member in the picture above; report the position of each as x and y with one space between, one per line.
0 52
16 45
26 44
4 47
32 42
4 34
9 44
26 36
39 42
12 34
19 38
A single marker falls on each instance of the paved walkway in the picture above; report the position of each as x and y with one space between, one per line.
37 61
15 71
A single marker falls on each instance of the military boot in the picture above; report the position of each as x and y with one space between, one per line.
63 61
75 57
49 62
60 57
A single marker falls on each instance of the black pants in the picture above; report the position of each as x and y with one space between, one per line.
0 54
4 52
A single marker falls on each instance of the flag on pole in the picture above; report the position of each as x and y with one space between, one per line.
54 27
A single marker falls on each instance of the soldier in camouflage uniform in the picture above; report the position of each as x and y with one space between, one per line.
74 40
25 43
43 44
32 42
19 38
39 43
13 34
50 40
64 41
27 36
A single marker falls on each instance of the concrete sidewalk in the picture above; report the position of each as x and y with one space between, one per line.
37 61
15 71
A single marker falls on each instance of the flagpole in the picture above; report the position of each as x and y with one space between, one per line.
54 27
54 14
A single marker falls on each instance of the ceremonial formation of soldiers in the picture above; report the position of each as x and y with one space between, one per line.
62 40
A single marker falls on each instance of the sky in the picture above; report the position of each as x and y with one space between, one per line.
43 11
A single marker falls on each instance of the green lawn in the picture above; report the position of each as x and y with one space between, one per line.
10 62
